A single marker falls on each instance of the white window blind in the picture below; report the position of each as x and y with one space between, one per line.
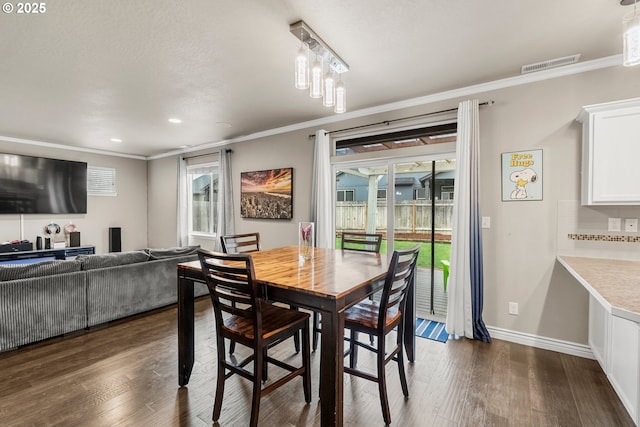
101 181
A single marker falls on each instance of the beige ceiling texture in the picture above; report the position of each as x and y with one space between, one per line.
86 71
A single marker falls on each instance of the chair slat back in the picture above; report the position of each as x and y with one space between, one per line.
400 276
361 242
240 243
232 285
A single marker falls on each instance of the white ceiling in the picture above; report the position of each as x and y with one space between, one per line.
86 71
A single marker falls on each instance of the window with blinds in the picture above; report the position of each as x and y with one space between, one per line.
101 181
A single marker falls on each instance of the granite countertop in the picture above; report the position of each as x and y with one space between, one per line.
614 283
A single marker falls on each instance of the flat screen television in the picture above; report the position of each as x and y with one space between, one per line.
37 185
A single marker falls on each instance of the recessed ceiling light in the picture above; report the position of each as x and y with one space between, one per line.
118 140
175 120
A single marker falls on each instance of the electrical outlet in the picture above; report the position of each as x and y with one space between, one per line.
614 224
631 225
513 308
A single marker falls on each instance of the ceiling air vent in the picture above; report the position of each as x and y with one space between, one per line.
551 63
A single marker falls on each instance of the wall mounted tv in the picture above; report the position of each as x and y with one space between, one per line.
37 185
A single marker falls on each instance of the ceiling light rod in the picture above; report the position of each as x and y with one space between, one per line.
304 33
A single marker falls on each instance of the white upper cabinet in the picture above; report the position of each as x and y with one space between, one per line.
611 153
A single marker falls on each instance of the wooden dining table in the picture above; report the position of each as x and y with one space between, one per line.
332 281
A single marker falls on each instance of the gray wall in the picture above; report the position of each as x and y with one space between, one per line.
127 210
520 247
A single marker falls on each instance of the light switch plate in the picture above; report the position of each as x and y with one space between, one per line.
486 222
631 225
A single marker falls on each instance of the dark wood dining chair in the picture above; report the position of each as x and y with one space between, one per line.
240 243
236 244
379 319
363 242
251 322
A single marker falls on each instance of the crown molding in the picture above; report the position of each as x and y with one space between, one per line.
70 148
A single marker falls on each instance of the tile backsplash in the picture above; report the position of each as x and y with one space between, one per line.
582 231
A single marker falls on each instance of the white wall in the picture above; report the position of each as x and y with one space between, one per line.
127 210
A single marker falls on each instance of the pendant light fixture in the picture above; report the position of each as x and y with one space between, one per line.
302 67
329 96
631 36
321 84
341 98
316 79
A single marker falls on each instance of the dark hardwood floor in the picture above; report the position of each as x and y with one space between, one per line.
125 374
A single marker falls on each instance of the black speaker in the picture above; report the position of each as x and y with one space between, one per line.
38 243
115 244
74 239
47 243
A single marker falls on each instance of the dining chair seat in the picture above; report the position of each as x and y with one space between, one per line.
364 317
275 322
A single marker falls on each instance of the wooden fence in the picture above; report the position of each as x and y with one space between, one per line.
411 217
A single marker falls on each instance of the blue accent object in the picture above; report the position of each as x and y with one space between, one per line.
27 260
431 330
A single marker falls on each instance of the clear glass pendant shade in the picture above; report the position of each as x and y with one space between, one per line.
631 36
302 69
316 80
341 98
329 98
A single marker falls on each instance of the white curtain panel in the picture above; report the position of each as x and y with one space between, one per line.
459 308
182 205
322 192
225 199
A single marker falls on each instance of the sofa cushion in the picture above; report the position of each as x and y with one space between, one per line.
91 262
172 252
39 269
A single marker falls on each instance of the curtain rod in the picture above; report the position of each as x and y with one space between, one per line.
202 155
387 122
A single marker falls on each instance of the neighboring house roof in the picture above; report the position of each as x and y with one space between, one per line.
405 181
451 174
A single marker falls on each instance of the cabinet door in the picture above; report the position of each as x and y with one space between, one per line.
610 150
625 362
616 151
599 332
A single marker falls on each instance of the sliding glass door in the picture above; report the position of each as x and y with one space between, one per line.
408 201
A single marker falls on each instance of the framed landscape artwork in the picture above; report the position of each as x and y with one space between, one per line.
267 194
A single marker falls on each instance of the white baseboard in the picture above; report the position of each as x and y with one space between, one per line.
544 343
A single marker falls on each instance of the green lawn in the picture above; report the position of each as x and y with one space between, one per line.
442 251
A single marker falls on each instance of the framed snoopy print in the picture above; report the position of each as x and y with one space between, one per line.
522 176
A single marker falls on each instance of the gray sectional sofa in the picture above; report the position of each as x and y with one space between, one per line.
51 298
